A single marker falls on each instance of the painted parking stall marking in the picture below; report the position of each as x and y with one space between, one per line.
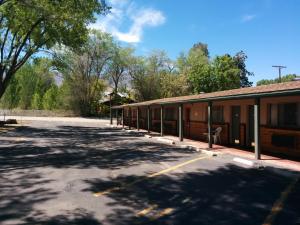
278 205
126 185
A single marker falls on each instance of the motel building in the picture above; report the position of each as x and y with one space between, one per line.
263 119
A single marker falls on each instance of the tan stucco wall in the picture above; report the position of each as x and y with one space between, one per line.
198 111
242 103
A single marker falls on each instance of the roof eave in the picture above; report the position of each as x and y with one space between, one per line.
209 99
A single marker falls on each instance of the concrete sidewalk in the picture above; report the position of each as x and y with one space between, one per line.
266 160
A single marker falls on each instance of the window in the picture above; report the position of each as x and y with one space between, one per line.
284 115
287 114
218 114
273 117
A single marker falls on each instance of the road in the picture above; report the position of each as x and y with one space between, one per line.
84 172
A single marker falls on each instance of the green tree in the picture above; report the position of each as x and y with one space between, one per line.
11 96
27 82
206 75
181 63
42 68
174 84
240 59
146 75
201 47
64 96
157 76
225 73
118 67
33 80
50 98
37 101
286 78
198 70
29 26
84 70
3 1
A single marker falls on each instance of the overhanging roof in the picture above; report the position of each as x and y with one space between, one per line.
281 89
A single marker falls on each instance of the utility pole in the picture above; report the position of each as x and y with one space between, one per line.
279 71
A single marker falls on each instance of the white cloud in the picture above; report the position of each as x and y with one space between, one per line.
248 18
125 11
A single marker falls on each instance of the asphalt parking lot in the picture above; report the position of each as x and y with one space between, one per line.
77 172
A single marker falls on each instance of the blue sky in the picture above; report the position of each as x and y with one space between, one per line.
268 31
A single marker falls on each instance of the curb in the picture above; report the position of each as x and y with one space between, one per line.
208 152
189 147
171 142
130 131
111 126
167 141
246 162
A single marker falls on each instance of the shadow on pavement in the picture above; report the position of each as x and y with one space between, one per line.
229 195
24 151
76 217
20 192
80 147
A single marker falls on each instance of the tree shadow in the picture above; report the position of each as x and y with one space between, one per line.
228 195
26 150
20 192
80 147
76 217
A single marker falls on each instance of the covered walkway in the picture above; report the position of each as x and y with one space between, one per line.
264 118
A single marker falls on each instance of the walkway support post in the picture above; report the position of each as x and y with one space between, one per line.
137 119
130 119
148 119
117 116
110 111
180 122
257 128
209 125
123 118
161 120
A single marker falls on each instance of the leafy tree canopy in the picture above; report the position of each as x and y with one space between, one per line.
84 70
286 78
29 26
220 73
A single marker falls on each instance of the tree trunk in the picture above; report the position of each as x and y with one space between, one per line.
4 82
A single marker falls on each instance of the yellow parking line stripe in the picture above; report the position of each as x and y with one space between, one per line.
107 191
278 205
146 211
162 213
175 167
124 185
